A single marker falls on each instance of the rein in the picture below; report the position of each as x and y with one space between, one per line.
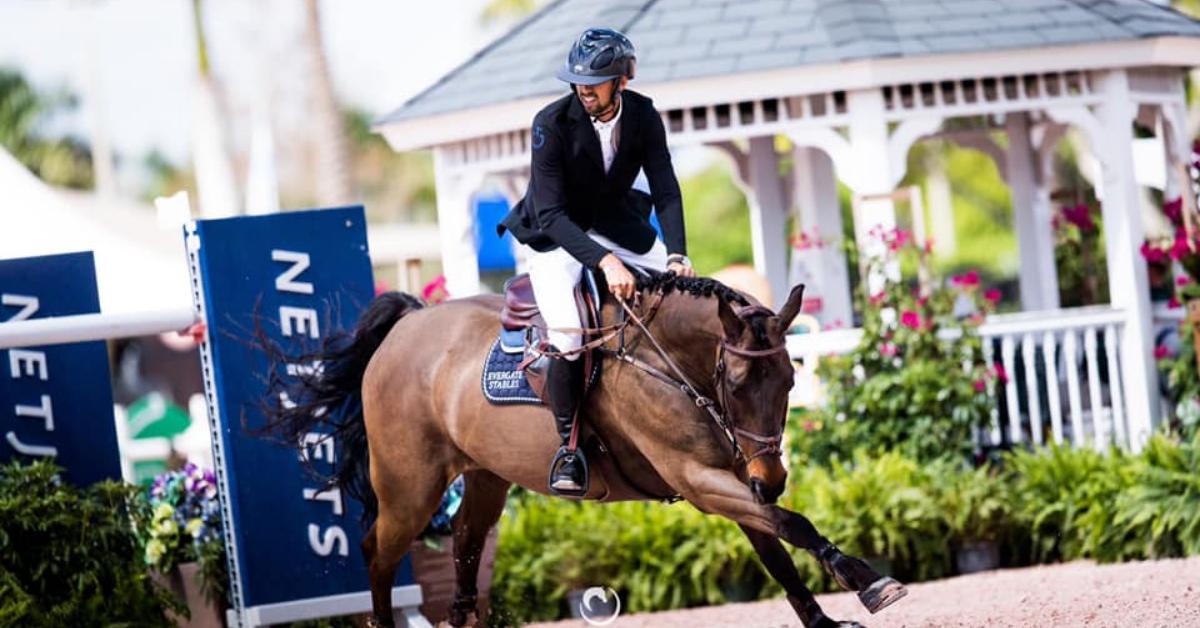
770 443
719 413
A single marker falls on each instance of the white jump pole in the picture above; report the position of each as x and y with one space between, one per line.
87 327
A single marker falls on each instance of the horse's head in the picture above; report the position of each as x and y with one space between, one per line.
753 377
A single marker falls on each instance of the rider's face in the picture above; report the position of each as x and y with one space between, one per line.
598 100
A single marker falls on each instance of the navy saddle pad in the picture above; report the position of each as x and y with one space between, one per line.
502 382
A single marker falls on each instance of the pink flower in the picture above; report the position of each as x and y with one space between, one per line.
1161 352
1080 216
1173 303
1180 248
911 319
968 280
929 245
1153 254
1174 211
980 385
1000 374
888 350
809 426
878 298
802 241
896 239
435 291
992 295
1183 280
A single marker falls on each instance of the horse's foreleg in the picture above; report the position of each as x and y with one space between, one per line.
721 492
779 564
483 501
875 590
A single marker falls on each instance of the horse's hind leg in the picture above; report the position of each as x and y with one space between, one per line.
483 501
406 505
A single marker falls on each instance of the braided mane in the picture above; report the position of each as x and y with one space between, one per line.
705 287
695 286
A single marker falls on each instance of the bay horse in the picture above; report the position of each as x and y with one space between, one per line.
691 401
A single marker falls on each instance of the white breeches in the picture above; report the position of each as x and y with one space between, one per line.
554 274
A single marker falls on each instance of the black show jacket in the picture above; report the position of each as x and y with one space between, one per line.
569 192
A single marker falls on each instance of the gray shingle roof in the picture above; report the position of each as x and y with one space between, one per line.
680 39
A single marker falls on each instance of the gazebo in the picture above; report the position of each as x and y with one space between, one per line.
854 84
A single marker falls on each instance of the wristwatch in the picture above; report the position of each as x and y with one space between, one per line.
676 258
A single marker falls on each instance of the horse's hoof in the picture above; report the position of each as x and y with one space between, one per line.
826 622
472 619
883 593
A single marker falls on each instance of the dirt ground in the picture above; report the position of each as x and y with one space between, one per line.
1162 593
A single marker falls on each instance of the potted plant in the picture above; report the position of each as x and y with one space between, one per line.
975 506
180 532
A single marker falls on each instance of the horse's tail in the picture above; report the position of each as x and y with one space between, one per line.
328 400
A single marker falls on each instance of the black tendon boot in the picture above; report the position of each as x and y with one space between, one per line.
563 390
875 591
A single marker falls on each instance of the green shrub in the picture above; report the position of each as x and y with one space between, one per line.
655 556
876 506
1064 498
1159 510
69 557
1046 505
974 502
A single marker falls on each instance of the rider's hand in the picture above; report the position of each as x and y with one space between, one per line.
682 270
620 281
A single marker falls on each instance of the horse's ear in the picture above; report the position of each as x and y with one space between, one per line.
729 320
790 309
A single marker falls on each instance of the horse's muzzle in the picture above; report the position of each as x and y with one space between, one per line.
763 493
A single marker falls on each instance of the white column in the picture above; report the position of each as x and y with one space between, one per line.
1127 279
1032 215
816 197
941 207
869 148
456 226
768 217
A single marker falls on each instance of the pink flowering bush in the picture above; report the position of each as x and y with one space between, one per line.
1180 370
917 382
1078 253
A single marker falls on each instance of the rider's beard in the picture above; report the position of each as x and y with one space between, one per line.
599 107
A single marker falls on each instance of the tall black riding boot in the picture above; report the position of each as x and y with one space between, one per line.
564 384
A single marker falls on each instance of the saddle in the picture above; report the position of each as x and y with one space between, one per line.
523 329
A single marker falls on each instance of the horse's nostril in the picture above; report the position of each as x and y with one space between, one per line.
756 488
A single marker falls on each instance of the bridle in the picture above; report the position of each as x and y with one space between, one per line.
769 444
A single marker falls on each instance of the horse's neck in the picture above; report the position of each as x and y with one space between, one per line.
685 327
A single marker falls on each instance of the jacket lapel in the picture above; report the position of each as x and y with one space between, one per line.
585 134
627 129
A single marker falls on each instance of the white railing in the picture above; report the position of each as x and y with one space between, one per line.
1063 377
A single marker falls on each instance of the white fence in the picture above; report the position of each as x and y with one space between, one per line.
1063 376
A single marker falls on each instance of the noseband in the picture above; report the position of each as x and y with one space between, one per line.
769 443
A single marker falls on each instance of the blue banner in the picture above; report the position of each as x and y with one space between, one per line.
297 277
56 400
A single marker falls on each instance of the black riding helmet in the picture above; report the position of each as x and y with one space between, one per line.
599 55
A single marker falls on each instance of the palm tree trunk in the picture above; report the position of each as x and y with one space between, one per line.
333 185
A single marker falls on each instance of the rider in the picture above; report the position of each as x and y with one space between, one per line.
580 208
